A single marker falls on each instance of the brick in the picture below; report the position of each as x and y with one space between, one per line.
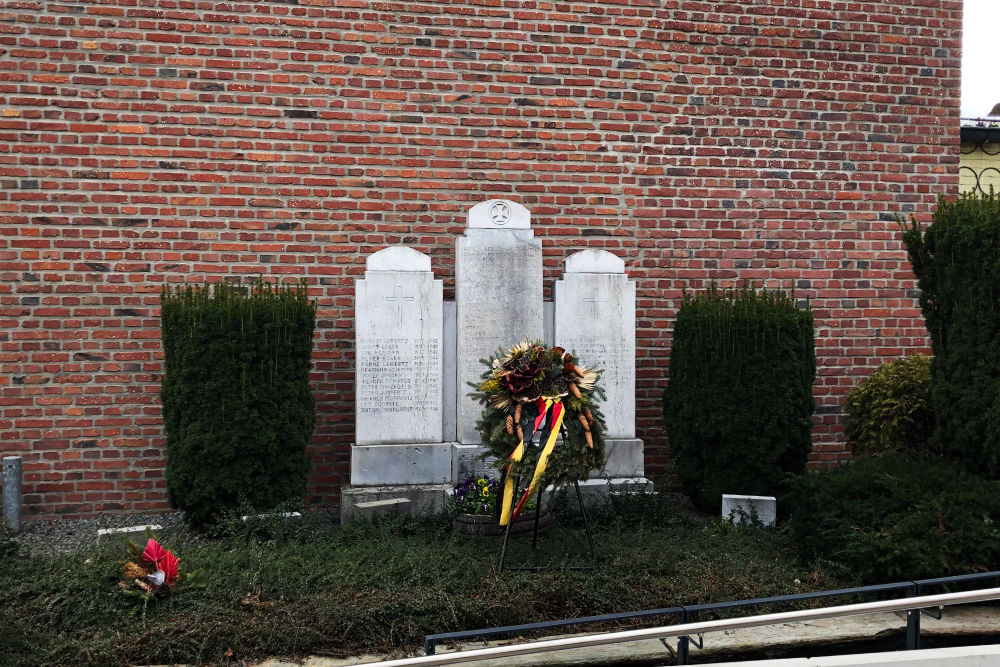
698 146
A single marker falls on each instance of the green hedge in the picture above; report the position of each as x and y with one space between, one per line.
894 518
890 411
237 405
957 262
738 407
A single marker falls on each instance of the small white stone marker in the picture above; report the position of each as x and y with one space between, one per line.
101 532
737 507
267 515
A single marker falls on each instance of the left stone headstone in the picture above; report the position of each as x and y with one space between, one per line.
398 325
398 462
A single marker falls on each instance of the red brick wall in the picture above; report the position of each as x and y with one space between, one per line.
144 142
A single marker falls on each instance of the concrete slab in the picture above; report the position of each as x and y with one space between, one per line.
284 516
423 498
376 508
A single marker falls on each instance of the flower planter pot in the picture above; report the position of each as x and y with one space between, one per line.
470 526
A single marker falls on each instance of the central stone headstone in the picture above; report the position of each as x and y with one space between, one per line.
498 290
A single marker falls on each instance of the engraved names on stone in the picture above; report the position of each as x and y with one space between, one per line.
395 375
595 317
398 350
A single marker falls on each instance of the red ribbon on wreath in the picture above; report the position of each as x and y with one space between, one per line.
553 409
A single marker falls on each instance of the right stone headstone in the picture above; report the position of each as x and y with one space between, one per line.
498 291
595 317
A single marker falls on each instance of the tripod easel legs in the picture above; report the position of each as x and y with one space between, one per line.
534 536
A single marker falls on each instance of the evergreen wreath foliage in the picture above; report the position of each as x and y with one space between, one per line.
237 407
509 391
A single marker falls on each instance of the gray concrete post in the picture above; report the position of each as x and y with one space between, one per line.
12 491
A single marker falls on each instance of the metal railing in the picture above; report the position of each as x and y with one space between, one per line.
912 605
687 613
980 121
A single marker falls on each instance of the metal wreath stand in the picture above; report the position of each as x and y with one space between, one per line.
534 534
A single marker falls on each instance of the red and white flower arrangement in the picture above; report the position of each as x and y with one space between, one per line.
154 570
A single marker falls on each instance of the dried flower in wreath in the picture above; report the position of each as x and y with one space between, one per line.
534 390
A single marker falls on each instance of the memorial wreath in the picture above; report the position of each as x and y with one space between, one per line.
532 390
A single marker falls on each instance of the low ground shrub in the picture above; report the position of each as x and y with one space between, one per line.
738 406
890 411
313 588
8 547
895 517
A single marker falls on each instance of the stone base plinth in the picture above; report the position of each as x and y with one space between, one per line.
622 458
416 479
592 488
465 463
401 464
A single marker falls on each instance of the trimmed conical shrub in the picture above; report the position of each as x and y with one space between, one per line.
738 407
957 263
237 405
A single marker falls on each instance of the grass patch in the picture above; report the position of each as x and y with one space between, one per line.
322 589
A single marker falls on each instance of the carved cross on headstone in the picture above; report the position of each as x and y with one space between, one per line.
399 299
593 301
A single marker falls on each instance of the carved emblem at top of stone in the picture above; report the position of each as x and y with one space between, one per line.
499 214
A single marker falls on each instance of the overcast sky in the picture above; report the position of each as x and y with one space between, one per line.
980 73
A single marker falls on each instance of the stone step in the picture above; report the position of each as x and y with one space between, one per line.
376 508
424 500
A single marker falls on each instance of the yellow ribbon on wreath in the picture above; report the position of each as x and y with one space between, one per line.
508 512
